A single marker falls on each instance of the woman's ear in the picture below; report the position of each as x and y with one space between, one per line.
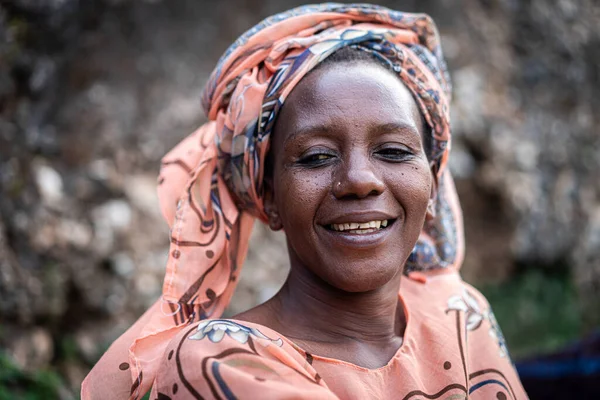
270 206
431 212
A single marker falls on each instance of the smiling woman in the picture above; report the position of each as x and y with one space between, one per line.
331 123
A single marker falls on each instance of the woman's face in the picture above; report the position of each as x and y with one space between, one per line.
351 180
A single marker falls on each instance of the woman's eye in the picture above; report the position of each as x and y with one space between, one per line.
394 154
315 159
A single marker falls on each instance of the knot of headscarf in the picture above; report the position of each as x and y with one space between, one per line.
211 184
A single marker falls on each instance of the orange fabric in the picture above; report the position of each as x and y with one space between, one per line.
452 348
210 185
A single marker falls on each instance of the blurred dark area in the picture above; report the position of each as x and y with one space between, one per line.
94 92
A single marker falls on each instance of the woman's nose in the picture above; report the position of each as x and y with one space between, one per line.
357 177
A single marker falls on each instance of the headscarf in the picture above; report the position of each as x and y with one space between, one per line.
211 184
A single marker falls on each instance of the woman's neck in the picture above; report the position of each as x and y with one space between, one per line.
309 309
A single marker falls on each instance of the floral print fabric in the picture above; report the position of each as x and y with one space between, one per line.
451 351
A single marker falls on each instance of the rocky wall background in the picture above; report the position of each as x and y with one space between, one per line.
94 92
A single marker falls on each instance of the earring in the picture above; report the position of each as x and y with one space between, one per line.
274 220
430 214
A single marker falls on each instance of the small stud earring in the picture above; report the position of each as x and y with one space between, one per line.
430 210
273 219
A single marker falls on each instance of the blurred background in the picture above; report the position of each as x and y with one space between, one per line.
94 92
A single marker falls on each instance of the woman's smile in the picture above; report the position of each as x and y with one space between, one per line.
359 230
358 237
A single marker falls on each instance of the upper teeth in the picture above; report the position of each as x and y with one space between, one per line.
356 225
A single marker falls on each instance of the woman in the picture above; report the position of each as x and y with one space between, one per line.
352 168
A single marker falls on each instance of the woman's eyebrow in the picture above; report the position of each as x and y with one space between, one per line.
394 127
309 130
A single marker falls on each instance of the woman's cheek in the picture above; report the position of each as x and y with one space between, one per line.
300 194
412 188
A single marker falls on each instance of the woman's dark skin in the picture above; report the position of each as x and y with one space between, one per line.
346 148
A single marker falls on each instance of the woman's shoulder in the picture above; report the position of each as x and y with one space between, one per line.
231 356
209 336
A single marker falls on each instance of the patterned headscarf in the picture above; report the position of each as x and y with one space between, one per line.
211 184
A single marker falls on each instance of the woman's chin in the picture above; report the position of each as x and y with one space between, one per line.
361 280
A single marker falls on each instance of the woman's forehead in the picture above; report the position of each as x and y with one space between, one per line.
358 93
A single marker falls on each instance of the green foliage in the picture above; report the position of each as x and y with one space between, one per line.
67 349
16 384
538 313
